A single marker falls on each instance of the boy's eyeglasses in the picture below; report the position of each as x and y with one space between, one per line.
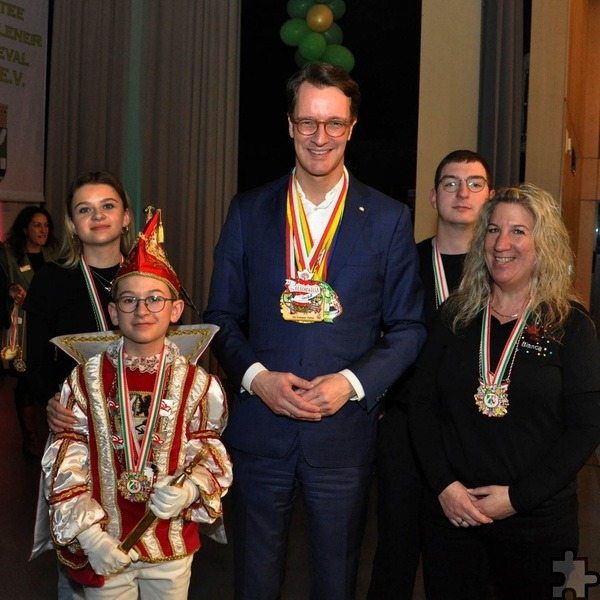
154 304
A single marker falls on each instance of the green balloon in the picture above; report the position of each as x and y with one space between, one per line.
293 30
338 55
299 8
312 45
334 34
338 8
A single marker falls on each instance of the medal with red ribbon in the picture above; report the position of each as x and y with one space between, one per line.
135 482
12 350
492 394
307 298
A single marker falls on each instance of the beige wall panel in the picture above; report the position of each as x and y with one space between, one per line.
448 94
547 88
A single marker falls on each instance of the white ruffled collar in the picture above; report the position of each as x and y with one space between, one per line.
143 364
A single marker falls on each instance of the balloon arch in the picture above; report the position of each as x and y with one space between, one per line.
313 30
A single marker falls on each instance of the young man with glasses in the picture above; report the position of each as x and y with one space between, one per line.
462 185
146 437
317 295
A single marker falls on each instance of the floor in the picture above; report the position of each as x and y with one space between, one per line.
21 579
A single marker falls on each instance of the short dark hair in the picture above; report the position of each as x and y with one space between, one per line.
323 75
463 156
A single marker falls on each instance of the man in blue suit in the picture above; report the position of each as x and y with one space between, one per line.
317 295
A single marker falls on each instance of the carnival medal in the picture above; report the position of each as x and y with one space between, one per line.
135 482
19 364
307 298
492 400
302 300
491 397
135 486
13 350
332 308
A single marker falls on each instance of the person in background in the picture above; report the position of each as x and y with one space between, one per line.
29 244
505 408
462 184
145 414
317 295
4 283
72 294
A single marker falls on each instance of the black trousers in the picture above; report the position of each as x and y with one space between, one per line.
514 556
399 497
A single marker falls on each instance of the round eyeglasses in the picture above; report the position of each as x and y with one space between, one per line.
451 183
154 304
333 128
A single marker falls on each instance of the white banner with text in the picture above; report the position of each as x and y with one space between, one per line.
23 50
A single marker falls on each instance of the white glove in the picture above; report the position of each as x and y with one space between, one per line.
167 501
103 552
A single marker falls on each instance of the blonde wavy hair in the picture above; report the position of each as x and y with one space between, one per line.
71 249
551 286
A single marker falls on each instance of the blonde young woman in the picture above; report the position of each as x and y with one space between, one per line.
505 408
72 294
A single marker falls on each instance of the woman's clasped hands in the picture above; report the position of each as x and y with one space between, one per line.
471 507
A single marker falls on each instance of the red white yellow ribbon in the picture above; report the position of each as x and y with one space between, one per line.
302 253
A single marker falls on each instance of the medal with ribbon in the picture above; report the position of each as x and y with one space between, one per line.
13 350
492 394
135 482
307 298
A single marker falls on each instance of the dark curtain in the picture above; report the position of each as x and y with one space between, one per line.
502 113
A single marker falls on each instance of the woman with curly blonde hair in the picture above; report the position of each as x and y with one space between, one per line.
550 285
505 408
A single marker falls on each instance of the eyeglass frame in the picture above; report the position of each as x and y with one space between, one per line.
460 180
138 300
345 122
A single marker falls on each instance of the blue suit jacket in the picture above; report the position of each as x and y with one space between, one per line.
375 272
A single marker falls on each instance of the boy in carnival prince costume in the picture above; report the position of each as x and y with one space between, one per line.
146 446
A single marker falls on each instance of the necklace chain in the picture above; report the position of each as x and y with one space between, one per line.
103 281
505 316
